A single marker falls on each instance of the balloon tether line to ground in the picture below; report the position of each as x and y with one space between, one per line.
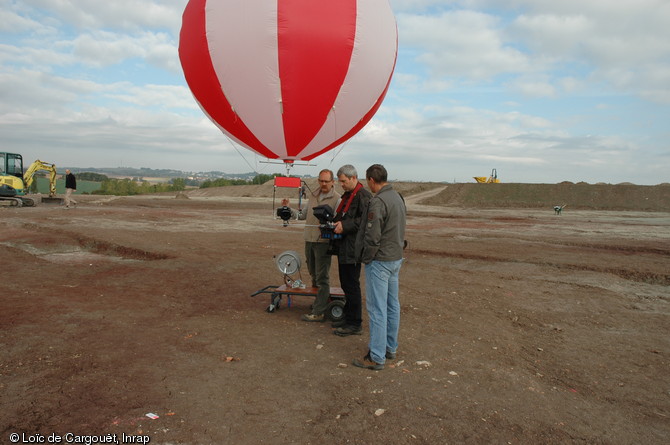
338 152
239 153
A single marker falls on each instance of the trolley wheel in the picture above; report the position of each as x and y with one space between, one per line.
275 301
335 310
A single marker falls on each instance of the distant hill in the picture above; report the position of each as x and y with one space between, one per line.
143 172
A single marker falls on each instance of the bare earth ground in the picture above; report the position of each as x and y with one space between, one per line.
518 326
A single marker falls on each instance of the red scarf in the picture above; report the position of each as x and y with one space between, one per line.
346 201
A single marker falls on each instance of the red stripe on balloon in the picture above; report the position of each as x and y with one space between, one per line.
202 80
313 63
364 120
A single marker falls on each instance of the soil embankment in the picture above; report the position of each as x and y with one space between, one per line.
583 196
576 196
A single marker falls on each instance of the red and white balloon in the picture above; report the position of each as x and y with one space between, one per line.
289 79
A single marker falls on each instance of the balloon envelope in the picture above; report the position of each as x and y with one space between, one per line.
288 79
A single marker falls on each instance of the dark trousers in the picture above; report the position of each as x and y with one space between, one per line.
350 280
318 264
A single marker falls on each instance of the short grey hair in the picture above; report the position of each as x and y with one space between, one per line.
347 170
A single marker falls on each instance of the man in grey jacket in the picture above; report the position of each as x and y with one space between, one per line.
379 245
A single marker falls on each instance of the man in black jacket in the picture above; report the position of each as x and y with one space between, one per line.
70 187
348 218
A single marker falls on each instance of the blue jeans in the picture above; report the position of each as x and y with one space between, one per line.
383 305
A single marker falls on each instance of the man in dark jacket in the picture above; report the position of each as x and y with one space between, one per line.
349 214
379 245
70 187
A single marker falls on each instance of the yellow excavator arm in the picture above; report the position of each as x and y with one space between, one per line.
36 166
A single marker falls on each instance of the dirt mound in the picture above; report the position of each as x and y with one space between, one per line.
266 190
251 191
577 196
584 196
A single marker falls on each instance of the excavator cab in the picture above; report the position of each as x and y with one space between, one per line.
11 164
11 172
12 187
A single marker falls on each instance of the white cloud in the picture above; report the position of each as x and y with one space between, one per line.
543 90
130 15
553 35
465 44
168 97
533 87
615 44
10 21
102 49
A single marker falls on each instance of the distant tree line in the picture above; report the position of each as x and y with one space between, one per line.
137 186
90 176
128 187
223 182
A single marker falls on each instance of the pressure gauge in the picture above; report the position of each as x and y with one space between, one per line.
288 262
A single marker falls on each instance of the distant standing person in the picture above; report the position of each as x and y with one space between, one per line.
349 214
70 187
379 246
316 248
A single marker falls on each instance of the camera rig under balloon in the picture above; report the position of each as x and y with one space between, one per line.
285 213
326 216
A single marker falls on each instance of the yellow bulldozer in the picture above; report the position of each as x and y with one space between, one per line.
14 183
493 179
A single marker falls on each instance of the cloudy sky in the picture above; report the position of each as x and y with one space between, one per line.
542 90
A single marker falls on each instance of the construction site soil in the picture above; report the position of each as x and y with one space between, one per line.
132 318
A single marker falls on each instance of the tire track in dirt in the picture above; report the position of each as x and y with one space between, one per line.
99 246
414 199
632 275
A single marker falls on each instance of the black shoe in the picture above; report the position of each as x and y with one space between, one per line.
348 330
339 323
390 355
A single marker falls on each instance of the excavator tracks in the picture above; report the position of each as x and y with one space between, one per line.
16 202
